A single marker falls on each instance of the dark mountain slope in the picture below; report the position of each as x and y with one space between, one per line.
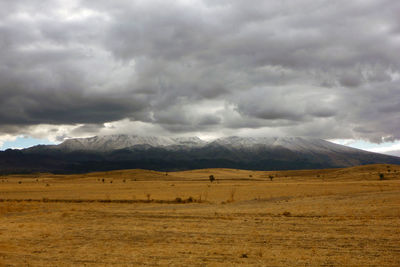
166 154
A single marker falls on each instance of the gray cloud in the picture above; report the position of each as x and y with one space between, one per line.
328 69
350 80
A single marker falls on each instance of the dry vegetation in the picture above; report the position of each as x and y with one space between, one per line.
331 217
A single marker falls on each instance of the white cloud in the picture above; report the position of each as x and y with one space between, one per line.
5 138
385 149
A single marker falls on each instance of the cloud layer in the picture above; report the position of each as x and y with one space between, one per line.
327 69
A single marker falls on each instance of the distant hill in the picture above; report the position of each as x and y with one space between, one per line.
393 153
102 153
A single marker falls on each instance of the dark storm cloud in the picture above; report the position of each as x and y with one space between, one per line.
328 69
25 98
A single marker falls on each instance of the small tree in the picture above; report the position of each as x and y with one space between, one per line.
381 176
271 177
212 178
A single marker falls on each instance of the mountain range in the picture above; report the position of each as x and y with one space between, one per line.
101 153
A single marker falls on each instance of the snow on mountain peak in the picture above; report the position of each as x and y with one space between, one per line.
113 142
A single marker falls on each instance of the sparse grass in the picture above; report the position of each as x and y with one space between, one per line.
11 207
349 219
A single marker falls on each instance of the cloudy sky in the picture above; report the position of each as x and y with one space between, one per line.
318 68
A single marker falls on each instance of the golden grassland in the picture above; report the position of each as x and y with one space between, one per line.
332 217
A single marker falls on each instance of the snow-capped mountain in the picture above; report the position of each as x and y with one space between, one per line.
167 153
114 142
291 143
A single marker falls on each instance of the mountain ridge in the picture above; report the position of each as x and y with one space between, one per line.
101 153
114 142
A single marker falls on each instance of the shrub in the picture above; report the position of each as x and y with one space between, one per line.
286 213
381 176
212 178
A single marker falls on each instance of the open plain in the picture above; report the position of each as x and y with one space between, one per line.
332 217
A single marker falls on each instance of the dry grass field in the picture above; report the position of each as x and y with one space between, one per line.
333 217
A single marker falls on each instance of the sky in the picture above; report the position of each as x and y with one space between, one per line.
313 68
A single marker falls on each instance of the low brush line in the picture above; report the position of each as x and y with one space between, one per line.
121 201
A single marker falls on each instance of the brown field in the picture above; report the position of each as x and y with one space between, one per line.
333 217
